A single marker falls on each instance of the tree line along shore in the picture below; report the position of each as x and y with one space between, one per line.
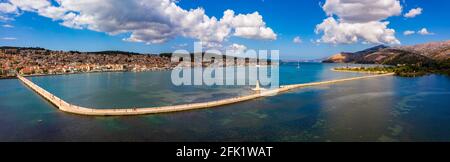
404 70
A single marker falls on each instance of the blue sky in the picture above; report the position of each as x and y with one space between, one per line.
287 19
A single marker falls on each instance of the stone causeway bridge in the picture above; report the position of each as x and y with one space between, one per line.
70 108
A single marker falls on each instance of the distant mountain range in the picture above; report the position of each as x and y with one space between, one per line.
421 53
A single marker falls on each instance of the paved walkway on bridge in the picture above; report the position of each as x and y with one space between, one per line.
70 108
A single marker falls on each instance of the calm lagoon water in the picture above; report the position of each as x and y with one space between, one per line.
380 109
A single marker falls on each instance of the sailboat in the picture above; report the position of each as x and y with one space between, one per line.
298 64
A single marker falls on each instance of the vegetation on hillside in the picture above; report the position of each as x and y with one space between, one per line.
407 70
414 60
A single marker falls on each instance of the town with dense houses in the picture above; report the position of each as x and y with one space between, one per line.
38 61
31 61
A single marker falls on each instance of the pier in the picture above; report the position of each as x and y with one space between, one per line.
70 108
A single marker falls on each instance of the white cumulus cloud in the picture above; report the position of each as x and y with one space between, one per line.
7 26
346 33
358 21
30 5
424 31
409 32
413 12
149 21
249 26
236 49
297 40
362 10
7 8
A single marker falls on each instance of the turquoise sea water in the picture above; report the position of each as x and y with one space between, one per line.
380 109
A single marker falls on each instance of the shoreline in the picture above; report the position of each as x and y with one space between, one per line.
354 71
75 73
9 77
113 71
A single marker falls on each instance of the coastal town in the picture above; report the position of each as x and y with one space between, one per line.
39 61
34 61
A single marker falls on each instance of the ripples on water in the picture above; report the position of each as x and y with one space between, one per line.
381 109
